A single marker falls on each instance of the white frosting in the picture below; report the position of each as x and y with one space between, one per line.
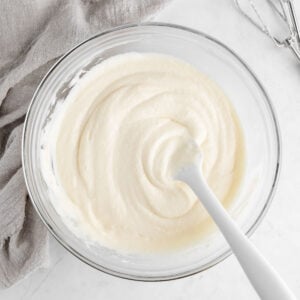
115 143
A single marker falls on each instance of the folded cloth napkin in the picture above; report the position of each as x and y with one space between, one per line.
33 34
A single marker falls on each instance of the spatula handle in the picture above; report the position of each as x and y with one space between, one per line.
261 274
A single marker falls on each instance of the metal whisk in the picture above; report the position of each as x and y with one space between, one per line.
284 11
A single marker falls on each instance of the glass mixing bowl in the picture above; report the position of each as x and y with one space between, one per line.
251 104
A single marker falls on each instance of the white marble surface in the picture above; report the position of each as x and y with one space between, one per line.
278 237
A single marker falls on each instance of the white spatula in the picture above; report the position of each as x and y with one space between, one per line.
261 274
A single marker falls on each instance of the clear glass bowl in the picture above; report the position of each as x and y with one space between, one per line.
241 86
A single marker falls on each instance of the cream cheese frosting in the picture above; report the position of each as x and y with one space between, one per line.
118 137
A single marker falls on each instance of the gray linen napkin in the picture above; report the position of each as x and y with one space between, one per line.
33 34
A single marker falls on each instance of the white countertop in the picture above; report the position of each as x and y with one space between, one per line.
278 237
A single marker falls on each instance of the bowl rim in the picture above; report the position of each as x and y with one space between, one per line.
228 252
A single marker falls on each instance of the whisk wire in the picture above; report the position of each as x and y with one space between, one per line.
286 12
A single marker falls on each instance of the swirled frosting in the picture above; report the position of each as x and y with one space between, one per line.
118 139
